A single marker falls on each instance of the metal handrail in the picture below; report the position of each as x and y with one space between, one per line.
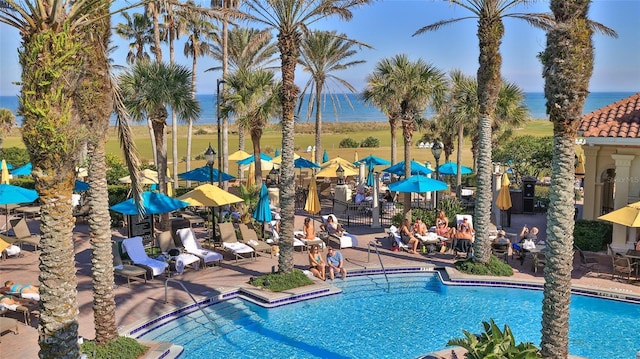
384 271
166 290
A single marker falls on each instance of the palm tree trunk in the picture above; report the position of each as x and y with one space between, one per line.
158 130
225 119
394 140
407 135
152 137
318 143
241 137
190 121
256 134
459 161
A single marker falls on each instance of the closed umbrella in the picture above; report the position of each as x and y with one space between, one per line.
628 215
451 168
580 170
277 153
204 174
416 169
418 184
355 157
10 194
504 196
262 213
251 176
312 205
325 156
151 203
5 173
23 170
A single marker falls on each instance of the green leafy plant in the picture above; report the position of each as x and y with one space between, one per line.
451 207
370 142
592 235
495 343
121 348
349 143
494 267
278 282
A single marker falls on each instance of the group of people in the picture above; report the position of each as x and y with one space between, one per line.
460 237
334 263
15 294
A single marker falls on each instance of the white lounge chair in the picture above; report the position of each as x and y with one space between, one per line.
134 248
347 240
230 242
296 242
192 246
395 236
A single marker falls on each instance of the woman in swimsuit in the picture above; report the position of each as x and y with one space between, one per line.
12 287
316 263
442 225
407 237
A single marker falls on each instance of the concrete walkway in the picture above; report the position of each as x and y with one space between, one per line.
143 302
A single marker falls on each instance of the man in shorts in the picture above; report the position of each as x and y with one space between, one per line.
335 262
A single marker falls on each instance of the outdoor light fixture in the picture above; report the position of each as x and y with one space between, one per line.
273 177
340 174
436 150
210 157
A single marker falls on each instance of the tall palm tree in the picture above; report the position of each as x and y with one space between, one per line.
148 89
7 121
50 60
490 15
253 99
567 67
140 31
322 54
290 19
198 27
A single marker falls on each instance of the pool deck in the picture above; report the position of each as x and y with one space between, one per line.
145 301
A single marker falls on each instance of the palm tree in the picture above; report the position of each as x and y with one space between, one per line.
139 30
51 59
198 27
567 67
253 99
148 89
290 19
7 121
490 14
322 54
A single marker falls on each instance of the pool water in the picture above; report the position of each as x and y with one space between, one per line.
418 315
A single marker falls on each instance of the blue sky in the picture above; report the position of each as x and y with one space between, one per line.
388 25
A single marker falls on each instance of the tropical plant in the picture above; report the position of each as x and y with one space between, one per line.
7 121
526 155
495 343
253 97
322 54
148 88
490 15
139 30
290 19
567 67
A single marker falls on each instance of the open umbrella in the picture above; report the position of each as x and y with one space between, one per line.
10 194
249 159
278 159
262 212
628 215
23 170
312 205
416 169
325 156
204 174
330 170
451 168
418 184
152 203
5 173
504 196
373 161
147 176
304 163
208 195
238 155
80 186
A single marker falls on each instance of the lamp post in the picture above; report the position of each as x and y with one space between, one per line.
273 177
436 150
340 174
219 82
210 156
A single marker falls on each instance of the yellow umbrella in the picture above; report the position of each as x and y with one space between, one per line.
628 215
208 195
313 201
238 155
339 160
504 196
251 176
169 184
330 170
278 160
355 157
580 166
313 154
5 173
147 176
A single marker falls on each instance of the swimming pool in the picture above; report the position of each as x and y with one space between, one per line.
418 315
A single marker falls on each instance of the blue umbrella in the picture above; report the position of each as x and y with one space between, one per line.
373 161
371 179
152 202
304 163
22 171
10 194
204 174
9 166
277 153
451 168
418 184
81 186
416 169
325 156
248 160
262 212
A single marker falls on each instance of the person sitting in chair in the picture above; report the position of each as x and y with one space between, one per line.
308 230
407 237
420 228
464 236
333 227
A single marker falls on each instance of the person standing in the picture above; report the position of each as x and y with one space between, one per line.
335 262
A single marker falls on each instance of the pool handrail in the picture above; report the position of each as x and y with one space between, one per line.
384 271
166 289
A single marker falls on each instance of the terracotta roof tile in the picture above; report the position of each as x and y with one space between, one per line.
619 119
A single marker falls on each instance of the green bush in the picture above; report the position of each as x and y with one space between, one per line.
349 143
495 343
370 142
495 267
451 207
277 282
592 235
121 348
15 156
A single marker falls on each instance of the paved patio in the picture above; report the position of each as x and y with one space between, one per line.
144 301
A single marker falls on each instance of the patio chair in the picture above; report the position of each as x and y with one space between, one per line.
8 249
501 250
179 259
192 246
126 270
394 235
8 325
276 238
231 244
622 267
26 308
539 260
23 234
250 237
347 240
589 263
135 250
457 250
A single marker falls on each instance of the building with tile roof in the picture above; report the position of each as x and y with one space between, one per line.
611 144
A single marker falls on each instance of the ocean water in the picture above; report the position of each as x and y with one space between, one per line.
355 110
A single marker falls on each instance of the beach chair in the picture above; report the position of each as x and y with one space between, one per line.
8 325
250 238
23 234
347 240
192 246
394 236
177 258
457 251
8 249
231 244
126 270
135 250
27 308
276 237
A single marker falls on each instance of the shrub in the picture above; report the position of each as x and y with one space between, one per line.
495 267
349 143
495 343
451 207
397 219
592 235
121 348
278 282
201 131
370 142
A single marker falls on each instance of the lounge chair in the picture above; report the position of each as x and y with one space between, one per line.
179 259
230 242
622 267
276 237
8 249
539 260
126 270
26 309
8 325
589 263
250 238
134 248
192 246
23 234
394 235
347 240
